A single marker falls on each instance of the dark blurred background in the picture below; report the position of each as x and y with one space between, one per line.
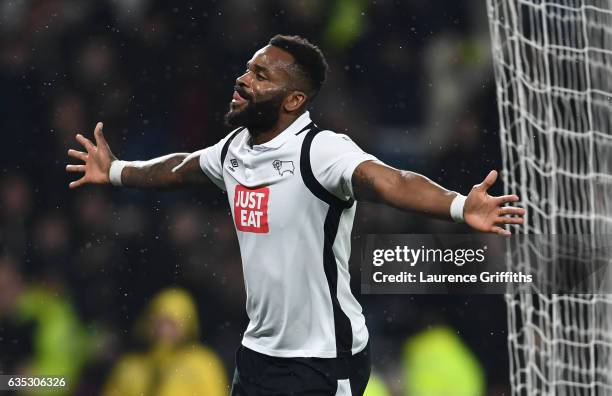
411 82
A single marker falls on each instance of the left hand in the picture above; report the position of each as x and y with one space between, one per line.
97 158
486 213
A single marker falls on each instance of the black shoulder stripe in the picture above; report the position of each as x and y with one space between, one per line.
310 125
227 143
309 179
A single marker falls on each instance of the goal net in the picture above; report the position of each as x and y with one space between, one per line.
553 70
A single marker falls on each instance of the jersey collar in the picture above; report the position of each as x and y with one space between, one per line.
282 137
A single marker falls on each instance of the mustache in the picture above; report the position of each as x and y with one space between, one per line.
242 92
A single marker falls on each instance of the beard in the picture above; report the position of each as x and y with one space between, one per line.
255 116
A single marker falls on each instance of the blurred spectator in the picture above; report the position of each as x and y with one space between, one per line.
175 363
376 387
437 363
15 207
61 344
346 23
454 75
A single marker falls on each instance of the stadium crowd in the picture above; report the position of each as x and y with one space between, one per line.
410 82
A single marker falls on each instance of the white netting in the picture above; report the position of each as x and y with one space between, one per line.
553 69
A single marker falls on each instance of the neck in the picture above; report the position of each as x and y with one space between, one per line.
260 136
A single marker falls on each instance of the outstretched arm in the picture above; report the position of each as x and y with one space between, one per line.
376 182
170 171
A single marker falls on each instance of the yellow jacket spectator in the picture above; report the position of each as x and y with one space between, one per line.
175 364
376 387
61 342
438 363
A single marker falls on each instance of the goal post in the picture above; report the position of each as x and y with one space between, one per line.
553 72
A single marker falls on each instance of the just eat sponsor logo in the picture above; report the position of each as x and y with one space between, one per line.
251 209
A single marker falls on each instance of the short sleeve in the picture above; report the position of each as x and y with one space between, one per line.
210 161
333 158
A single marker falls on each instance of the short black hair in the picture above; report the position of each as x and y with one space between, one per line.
309 60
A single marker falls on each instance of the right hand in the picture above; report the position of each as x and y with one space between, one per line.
97 158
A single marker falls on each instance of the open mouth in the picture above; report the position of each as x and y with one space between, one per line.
237 98
240 96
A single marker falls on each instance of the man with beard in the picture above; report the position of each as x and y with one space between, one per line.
292 188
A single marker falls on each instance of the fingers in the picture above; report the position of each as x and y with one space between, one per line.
505 213
89 146
504 218
506 198
78 183
78 155
500 231
489 180
509 220
75 168
98 135
510 210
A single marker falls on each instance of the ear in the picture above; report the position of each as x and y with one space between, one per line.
294 101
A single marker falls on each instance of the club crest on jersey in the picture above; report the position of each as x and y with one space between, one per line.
283 166
234 164
251 209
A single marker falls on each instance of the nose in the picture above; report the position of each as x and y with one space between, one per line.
243 80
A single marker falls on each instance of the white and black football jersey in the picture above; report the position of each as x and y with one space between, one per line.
293 206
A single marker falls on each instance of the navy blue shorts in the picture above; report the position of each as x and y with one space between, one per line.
262 375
